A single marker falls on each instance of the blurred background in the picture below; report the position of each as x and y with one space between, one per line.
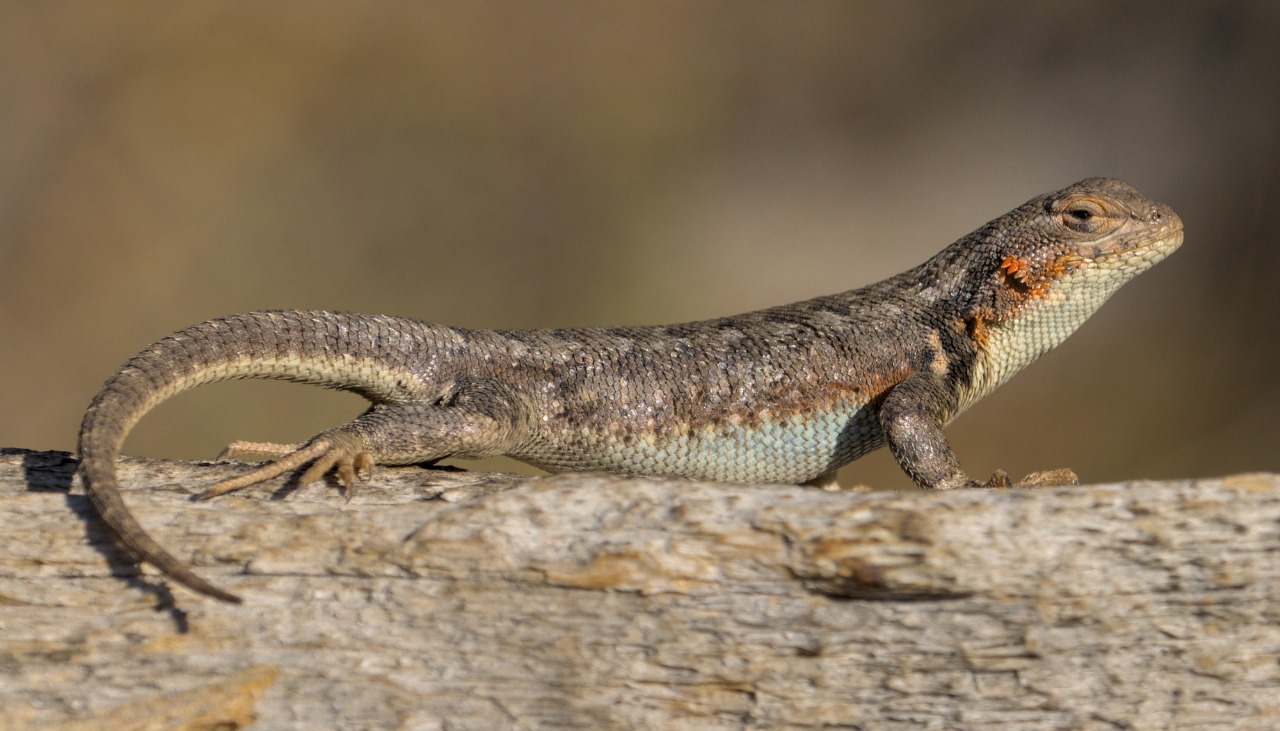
573 163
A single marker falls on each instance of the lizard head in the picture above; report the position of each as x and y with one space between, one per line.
1038 272
1082 241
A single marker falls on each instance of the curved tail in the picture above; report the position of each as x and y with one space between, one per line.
367 354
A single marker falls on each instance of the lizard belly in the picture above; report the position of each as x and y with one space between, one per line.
785 449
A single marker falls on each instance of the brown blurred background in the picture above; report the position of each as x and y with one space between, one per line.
580 163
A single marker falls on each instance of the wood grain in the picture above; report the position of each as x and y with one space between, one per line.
477 600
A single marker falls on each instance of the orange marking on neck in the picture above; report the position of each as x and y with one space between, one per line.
1020 276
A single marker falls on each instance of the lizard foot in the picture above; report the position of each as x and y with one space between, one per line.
348 463
1046 478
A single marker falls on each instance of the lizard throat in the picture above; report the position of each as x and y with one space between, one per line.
1044 321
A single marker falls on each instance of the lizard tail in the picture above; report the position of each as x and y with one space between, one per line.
294 345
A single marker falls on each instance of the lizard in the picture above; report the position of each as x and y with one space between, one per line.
786 394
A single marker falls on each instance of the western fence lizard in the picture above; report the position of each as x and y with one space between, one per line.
787 394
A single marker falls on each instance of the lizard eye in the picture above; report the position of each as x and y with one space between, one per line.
1083 216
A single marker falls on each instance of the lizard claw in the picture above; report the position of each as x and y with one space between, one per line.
323 456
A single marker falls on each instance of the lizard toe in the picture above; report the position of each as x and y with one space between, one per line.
258 449
310 452
348 464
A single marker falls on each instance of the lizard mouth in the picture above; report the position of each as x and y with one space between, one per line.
1152 247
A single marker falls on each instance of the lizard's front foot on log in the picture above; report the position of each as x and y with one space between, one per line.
1047 478
346 461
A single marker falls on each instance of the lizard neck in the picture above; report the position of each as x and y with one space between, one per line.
1017 295
1011 343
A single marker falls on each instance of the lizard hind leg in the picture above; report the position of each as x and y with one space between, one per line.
478 419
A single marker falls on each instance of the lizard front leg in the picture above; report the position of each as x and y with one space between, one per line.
476 418
912 417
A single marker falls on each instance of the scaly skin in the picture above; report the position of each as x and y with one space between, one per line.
787 394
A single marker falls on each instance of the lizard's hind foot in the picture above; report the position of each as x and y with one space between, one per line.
322 455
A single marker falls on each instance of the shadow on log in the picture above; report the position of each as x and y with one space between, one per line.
461 600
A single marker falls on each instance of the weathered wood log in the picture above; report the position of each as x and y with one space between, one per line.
437 599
